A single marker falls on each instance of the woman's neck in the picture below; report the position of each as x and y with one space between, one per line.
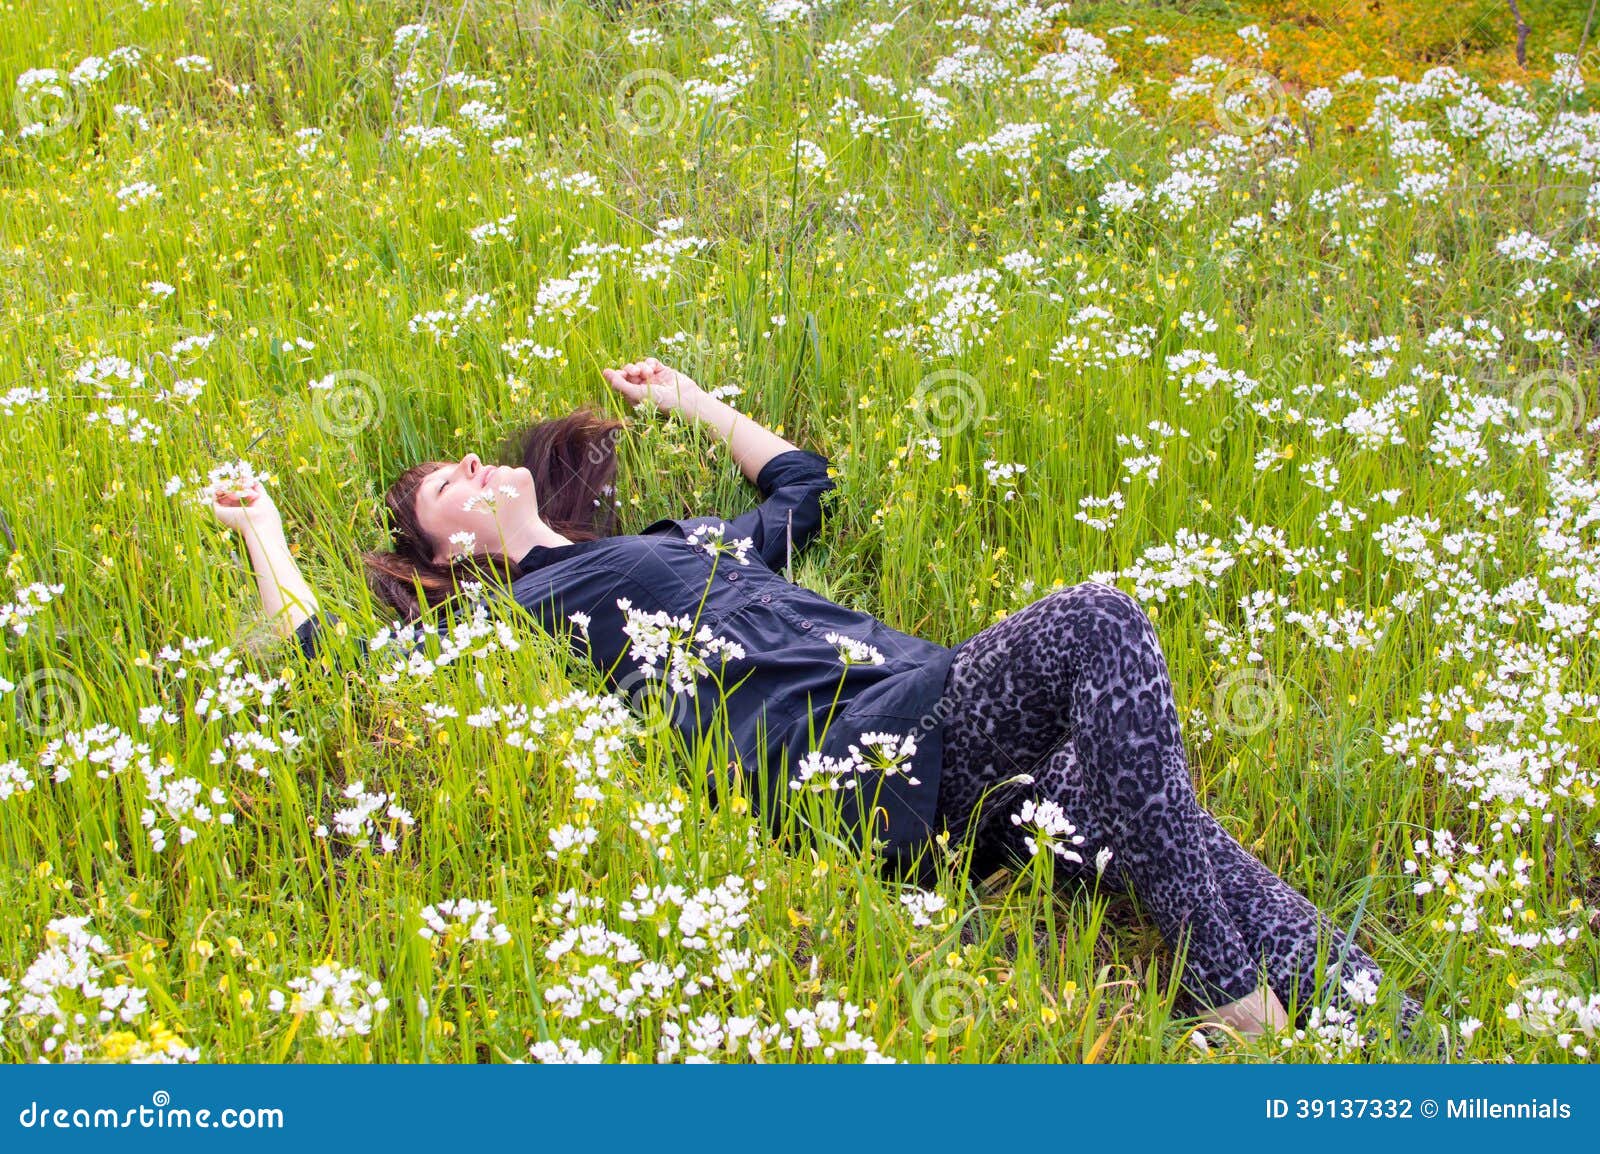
530 533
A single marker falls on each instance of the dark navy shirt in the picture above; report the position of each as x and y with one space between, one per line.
791 686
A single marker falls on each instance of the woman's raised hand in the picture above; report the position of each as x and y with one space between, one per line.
250 509
650 380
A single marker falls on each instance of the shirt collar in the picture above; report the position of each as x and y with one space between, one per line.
548 554
541 555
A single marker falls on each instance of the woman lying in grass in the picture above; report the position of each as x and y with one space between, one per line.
1054 728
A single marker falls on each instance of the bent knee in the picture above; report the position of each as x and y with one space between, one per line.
1105 601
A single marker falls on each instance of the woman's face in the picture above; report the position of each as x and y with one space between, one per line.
489 502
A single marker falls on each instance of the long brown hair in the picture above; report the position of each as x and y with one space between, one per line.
574 465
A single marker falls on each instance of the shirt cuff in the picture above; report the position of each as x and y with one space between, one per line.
792 466
306 634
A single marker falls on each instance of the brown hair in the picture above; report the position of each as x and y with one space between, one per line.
574 465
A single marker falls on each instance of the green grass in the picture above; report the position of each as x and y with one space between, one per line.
344 246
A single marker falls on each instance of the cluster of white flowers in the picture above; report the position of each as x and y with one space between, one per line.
1095 341
473 638
369 816
83 1016
709 539
853 651
1193 560
829 1027
499 229
658 824
1556 1011
951 314
1015 145
14 779
886 753
116 379
462 920
425 138
445 324
1048 829
588 731
1331 1034
1088 507
27 601
1478 894
922 905
658 638
342 1001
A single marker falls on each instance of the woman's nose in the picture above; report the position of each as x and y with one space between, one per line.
471 464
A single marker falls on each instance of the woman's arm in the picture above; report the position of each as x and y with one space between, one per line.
286 599
791 480
750 444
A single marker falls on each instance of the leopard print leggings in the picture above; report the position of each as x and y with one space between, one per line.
1074 691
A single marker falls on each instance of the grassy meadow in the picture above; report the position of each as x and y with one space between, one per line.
1284 321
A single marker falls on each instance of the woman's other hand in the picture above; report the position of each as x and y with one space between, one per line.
650 380
247 510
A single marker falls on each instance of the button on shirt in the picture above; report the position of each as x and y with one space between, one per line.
791 691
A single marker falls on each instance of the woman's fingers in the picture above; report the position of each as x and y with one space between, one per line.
246 498
636 373
618 380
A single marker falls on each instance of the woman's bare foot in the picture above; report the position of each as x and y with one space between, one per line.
1252 1014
